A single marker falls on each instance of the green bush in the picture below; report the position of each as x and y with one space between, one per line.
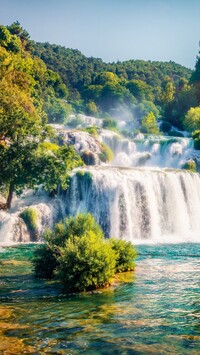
165 127
86 262
106 154
92 130
190 165
197 143
125 254
196 137
80 257
44 262
110 124
29 215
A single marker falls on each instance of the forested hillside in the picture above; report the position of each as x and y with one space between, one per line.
61 81
132 88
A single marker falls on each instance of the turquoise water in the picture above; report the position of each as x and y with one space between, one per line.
156 311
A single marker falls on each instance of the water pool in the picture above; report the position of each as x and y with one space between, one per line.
156 311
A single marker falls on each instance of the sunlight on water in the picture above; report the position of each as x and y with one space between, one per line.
156 312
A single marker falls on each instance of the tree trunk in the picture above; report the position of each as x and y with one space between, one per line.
10 196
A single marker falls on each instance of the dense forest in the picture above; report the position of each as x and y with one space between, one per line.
129 89
62 81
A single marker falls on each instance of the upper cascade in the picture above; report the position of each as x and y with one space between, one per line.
149 151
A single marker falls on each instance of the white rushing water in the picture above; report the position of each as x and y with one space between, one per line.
152 151
139 204
133 198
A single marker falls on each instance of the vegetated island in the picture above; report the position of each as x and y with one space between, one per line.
77 254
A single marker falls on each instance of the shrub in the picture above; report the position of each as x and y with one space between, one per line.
80 257
92 130
197 143
44 262
106 154
165 127
110 124
29 215
125 254
196 137
86 262
190 165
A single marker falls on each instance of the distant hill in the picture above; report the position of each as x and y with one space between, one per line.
78 71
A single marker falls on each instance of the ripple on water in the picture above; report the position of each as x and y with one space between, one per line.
155 311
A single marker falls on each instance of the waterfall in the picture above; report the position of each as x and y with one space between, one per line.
135 198
152 151
139 204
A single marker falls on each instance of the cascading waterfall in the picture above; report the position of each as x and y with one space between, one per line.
128 198
152 151
139 204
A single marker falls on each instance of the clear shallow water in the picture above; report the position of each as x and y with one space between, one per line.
157 311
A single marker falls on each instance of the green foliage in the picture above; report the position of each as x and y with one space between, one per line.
192 119
144 108
92 130
29 215
97 88
57 110
111 124
196 137
149 124
44 262
165 127
75 122
52 167
140 90
92 109
167 94
86 262
106 154
27 165
73 226
125 254
190 165
80 257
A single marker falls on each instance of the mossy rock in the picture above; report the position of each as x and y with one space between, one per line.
190 165
30 217
89 157
106 154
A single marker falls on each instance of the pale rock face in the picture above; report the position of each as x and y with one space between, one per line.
12 227
83 143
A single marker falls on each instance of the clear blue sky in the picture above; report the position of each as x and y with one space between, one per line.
113 29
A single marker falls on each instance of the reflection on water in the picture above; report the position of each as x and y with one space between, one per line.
156 312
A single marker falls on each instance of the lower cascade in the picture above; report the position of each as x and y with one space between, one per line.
138 204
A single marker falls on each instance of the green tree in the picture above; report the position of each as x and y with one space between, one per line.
140 90
167 94
192 119
149 124
28 164
125 254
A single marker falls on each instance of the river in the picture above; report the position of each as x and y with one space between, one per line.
154 310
